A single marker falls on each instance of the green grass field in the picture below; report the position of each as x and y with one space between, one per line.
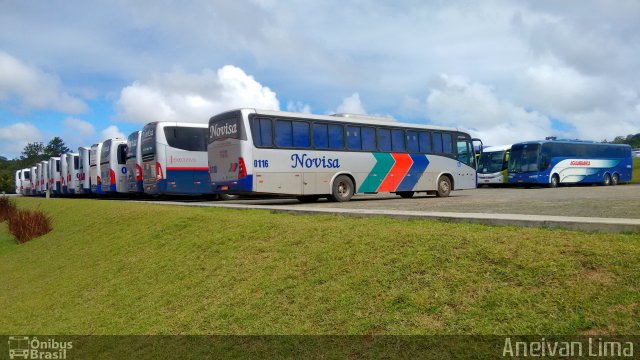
133 268
636 170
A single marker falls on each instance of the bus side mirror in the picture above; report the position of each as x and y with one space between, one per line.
474 140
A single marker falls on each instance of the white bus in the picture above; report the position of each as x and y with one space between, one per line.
312 156
34 178
94 168
54 175
174 158
493 164
83 170
44 176
25 181
73 176
63 173
18 180
134 163
38 179
113 166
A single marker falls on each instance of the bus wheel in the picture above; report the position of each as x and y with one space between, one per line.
615 179
444 187
229 197
342 189
308 198
555 181
406 194
607 180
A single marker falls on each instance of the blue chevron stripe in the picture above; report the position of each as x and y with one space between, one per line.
420 163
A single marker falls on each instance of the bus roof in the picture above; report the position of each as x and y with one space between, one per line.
351 118
496 148
583 142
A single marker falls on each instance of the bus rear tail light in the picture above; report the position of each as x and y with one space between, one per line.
138 173
112 177
242 171
159 175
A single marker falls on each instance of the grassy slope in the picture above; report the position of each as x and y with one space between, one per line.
636 170
125 268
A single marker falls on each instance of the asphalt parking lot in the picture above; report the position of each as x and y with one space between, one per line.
622 201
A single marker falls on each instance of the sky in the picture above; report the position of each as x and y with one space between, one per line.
505 71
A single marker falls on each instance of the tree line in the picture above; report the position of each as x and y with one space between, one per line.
32 154
633 140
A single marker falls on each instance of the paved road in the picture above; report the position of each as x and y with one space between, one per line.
621 201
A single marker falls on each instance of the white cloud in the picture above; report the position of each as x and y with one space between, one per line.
181 96
111 132
457 102
14 137
27 87
299 107
77 132
351 105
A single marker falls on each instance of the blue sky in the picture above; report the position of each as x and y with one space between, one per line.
506 71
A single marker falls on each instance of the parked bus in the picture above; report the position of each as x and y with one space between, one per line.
18 181
83 170
54 175
34 177
38 179
44 176
174 158
63 173
134 163
25 181
94 168
311 156
73 176
113 166
556 162
493 164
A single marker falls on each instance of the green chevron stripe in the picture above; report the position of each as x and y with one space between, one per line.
384 163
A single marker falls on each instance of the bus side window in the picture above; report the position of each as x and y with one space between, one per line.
336 137
301 137
354 138
437 142
284 134
412 141
384 139
320 136
424 139
397 140
465 155
447 145
368 139
262 132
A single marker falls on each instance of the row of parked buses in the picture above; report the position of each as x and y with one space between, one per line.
249 151
555 162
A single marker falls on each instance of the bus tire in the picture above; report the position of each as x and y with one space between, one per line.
444 186
615 179
342 189
229 197
555 181
406 194
607 180
308 198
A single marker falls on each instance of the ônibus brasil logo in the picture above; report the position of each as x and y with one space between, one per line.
24 347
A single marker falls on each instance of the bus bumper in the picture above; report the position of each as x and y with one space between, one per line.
244 185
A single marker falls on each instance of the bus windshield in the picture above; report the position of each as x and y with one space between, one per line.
132 145
524 158
491 162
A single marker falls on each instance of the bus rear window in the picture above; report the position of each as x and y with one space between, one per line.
186 138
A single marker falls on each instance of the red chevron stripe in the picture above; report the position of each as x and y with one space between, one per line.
397 172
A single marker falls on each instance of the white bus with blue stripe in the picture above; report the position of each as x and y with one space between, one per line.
556 162
174 158
83 169
134 163
54 175
94 168
73 175
313 156
113 166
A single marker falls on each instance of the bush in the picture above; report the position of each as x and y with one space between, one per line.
29 224
7 208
